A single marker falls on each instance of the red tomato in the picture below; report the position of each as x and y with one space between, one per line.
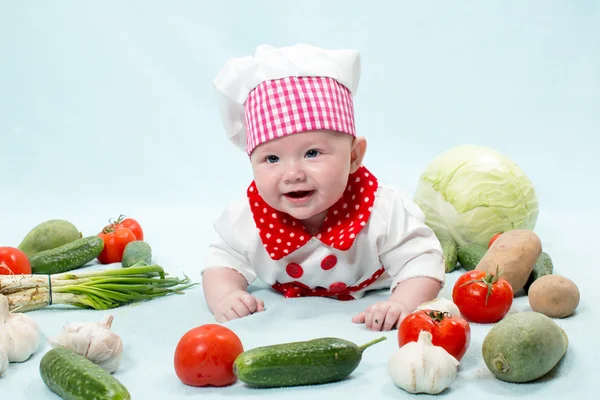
493 239
129 223
13 261
452 333
114 244
204 356
482 297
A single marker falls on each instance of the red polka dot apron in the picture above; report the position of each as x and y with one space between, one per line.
282 234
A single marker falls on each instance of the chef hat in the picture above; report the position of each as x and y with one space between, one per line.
280 91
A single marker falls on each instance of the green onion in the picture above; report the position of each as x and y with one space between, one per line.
95 289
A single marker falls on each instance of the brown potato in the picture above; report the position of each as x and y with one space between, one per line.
514 253
554 296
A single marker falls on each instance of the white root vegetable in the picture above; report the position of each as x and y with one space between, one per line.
441 304
93 340
421 367
19 333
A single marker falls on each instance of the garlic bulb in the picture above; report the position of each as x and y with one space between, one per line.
421 367
441 304
19 333
93 340
3 361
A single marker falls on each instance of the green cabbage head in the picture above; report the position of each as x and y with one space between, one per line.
469 193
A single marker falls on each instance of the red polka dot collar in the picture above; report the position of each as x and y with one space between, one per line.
282 234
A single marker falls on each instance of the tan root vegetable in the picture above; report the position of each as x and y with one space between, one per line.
554 296
514 253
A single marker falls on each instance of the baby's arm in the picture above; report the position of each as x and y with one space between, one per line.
414 258
407 296
226 295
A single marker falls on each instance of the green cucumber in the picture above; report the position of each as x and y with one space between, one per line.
543 266
310 362
450 249
469 255
67 257
524 346
136 252
74 377
48 235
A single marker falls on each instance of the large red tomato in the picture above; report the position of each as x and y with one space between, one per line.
452 333
482 297
13 261
129 223
114 244
204 356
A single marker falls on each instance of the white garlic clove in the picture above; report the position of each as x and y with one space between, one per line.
421 367
19 333
93 340
441 304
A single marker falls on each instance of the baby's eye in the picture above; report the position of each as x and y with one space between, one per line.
272 159
312 153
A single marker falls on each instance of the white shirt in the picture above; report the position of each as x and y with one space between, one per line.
392 245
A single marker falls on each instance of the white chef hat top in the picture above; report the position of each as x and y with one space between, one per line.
242 75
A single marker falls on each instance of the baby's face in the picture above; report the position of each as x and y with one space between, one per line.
303 174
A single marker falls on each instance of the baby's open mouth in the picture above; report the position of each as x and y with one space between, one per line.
299 194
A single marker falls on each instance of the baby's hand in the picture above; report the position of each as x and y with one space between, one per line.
237 305
382 316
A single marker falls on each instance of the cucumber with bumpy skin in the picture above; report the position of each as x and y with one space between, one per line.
470 255
543 266
136 252
67 257
74 377
309 362
450 249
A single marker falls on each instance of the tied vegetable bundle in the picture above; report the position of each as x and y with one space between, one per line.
96 289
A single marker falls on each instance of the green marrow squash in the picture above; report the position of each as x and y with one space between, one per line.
74 377
308 362
67 257
524 346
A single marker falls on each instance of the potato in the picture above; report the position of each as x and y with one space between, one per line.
554 296
514 253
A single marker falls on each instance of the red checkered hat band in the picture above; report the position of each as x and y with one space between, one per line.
281 107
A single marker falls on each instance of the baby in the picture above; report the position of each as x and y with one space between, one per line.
314 221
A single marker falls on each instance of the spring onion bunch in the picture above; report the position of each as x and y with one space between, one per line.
95 289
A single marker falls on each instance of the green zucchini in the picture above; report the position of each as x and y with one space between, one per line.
450 249
136 252
524 346
67 257
469 255
543 266
310 362
74 377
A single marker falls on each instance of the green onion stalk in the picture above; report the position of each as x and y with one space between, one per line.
96 289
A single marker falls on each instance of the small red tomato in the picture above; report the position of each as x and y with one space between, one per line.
482 297
114 244
204 356
493 239
452 333
13 261
129 223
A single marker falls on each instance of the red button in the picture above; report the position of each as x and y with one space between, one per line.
294 270
329 262
337 287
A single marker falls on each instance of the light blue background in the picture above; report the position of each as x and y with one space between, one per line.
107 107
